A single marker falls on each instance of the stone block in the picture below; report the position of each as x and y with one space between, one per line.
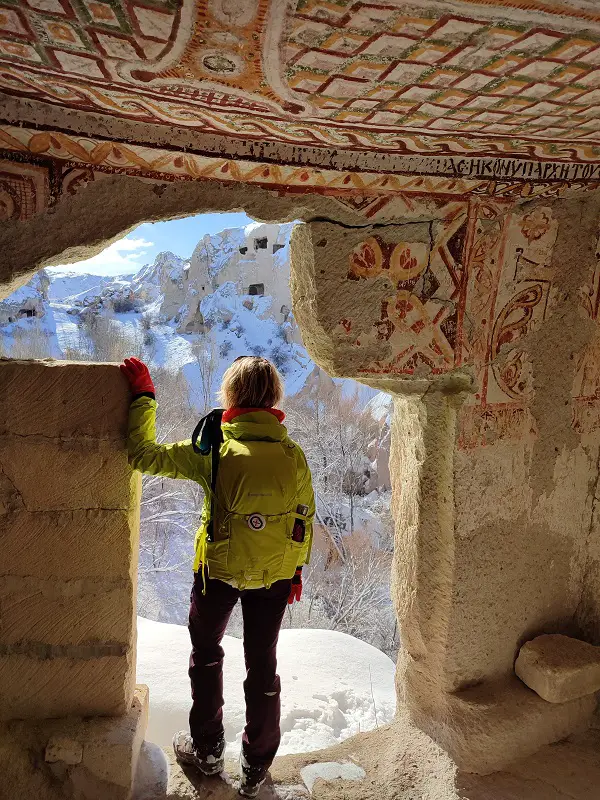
486 727
70 544
48 682
62 613
559 668
75 758
109 746
59 399
54 475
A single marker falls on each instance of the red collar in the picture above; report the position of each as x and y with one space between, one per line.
232 413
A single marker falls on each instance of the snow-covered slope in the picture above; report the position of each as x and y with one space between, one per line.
70 284
156 280
333 686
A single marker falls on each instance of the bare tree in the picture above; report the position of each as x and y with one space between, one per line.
169 507
352 596
29 342
170 511
206 357
109 340
335 434
349 588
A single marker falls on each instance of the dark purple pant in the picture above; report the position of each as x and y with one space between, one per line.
263 611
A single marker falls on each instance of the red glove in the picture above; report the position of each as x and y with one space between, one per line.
296 590
138 375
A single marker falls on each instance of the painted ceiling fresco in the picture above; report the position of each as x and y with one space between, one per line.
482 78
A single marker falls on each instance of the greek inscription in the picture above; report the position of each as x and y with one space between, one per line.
505 168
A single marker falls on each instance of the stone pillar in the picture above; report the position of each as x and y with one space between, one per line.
484 325
69 527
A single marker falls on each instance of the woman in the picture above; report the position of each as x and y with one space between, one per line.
254 537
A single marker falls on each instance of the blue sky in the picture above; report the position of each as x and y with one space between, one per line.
143 244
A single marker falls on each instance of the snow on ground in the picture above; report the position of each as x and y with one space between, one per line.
330 770
65 283
24 327
333 686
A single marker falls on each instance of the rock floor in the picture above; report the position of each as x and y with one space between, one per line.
401 763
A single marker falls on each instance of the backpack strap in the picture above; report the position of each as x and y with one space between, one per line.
208 430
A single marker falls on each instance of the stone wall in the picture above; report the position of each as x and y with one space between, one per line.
525 477
484 325
69 527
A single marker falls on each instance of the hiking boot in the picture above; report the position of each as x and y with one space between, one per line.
252 777
207 756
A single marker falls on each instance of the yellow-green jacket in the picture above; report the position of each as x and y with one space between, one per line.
261 472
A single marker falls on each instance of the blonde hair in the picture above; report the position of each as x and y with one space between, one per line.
251 382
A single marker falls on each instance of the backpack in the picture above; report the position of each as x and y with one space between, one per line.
249 533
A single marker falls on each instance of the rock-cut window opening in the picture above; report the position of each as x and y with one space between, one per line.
189 331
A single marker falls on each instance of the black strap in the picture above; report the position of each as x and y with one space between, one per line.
208 430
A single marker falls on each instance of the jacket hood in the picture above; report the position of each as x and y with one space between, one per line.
255 426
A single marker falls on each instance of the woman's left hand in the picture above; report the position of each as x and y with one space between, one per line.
296 590
138 375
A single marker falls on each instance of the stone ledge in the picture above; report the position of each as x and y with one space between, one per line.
69 545
29 614
54 589
486 727
43 474
83 651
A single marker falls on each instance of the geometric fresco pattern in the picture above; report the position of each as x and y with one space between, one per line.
85 37
384 77
24 190
375 66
